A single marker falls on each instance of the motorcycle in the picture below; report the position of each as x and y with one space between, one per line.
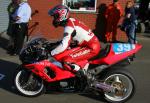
39 70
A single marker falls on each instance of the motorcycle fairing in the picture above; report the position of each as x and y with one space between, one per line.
118 52
39 69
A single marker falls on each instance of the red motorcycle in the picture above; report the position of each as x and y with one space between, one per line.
39 70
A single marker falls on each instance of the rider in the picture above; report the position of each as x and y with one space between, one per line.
77 31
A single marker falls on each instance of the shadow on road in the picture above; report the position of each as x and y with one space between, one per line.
98 97
148 35
7 69
3 43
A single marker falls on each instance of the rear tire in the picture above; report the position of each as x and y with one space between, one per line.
123 82
28 84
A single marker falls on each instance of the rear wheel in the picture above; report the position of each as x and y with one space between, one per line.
141 28
28 84
123 83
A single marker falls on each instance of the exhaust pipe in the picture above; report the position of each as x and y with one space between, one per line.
103 86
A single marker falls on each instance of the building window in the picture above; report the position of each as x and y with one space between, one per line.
81 5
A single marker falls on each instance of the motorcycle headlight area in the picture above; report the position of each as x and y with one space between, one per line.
33 53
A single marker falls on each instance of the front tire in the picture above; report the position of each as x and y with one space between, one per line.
123 83
28 84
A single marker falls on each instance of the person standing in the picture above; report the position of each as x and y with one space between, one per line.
21 17
130 21
12 7
113 13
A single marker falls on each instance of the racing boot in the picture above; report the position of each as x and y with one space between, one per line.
81 75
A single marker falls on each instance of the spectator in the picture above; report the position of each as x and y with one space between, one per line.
11 9
130 21
21 17
113 14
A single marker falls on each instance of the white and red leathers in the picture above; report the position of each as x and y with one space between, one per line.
88 42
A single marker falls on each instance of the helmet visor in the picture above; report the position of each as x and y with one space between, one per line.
51 12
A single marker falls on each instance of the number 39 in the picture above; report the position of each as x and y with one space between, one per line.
123 47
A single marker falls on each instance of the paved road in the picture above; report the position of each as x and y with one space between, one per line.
140 68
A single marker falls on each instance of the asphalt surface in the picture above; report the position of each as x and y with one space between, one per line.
140 68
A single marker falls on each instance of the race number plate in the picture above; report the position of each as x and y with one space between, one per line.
119 48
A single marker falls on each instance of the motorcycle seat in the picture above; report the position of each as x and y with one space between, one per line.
103 52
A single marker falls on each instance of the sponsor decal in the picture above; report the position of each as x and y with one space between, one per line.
43 63
48 64
122 47
80 53
1 76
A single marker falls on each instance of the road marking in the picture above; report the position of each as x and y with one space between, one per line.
1 76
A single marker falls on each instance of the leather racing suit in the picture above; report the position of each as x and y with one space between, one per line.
77 31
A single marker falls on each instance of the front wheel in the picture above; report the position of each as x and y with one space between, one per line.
123 83
28 84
